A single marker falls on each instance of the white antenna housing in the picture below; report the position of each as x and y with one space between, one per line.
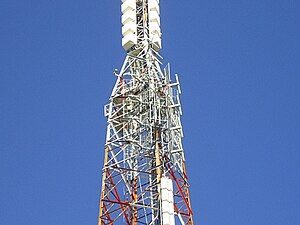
139 25
167 198
154 23
129 21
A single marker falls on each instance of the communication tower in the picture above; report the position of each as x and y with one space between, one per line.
144 177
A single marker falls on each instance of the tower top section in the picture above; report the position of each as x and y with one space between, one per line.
141 24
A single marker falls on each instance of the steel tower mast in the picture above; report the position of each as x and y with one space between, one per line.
144 177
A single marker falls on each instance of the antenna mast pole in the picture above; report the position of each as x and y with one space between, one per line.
144 178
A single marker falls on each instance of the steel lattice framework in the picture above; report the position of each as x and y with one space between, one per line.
144 139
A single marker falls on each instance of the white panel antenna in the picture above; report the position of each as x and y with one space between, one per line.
129 21
167 199
154 23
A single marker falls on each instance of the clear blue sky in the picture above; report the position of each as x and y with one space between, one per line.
239 66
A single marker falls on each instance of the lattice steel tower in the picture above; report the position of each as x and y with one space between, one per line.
144 177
